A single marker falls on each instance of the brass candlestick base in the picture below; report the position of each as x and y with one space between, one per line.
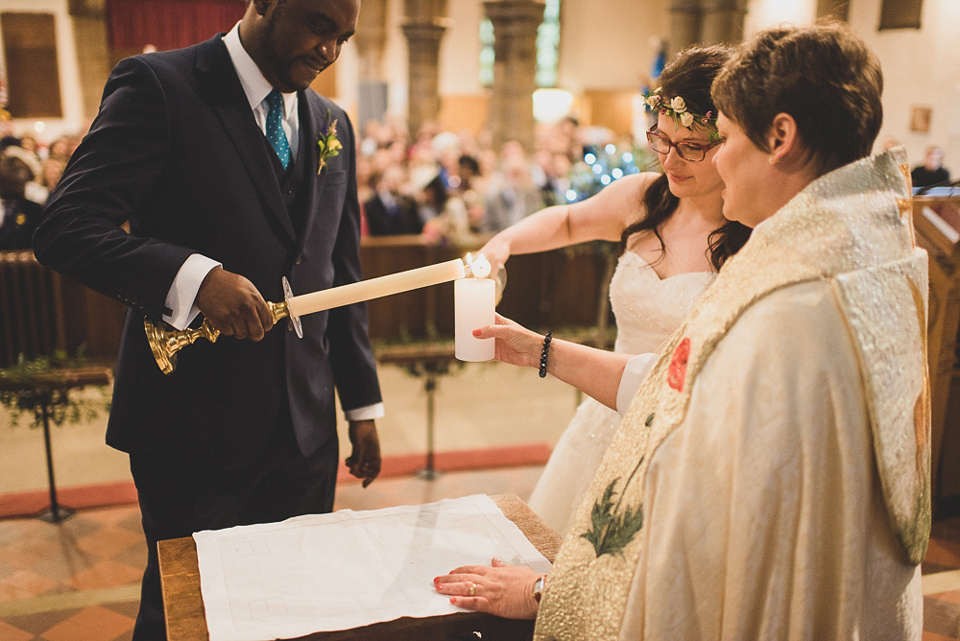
165 341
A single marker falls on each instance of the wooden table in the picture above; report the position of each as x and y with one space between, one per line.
183 604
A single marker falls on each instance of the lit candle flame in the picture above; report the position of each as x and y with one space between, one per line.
479 267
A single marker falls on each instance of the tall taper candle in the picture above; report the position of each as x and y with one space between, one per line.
376 287
474 300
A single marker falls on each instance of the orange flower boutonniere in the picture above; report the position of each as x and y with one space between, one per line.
329 145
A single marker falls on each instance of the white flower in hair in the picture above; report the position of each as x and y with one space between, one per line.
686 119
678 105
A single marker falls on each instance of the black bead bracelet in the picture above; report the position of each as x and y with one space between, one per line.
543 354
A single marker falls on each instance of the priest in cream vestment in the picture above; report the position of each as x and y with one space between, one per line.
771 476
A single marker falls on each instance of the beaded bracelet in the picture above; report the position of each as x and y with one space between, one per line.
543 354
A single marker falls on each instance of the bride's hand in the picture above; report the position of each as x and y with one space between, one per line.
515 344
496 251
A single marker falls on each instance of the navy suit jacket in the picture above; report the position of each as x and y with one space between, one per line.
176 151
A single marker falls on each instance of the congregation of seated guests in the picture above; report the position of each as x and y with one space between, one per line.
28 173
444 187
449 187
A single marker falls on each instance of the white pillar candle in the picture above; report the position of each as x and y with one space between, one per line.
375 287
474 300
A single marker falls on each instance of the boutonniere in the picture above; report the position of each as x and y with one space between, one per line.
21 220
678 365
328 144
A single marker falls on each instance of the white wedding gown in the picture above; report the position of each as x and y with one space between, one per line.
648 309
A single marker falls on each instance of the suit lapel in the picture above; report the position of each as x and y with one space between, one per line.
224 93
310 122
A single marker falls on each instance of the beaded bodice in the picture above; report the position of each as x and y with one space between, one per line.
648 309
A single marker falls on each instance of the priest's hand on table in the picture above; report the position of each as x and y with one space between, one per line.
515 344
233 305
364 460
504 590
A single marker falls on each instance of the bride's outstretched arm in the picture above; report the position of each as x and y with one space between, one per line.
602 217
595 372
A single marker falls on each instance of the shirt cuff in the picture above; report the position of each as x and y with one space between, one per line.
182 296
367 413
633 375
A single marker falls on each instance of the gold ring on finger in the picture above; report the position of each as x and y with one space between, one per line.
473 589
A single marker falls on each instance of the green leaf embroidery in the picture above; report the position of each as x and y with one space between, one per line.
609 533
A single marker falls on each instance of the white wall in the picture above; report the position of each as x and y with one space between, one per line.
605 44
920 67
70 92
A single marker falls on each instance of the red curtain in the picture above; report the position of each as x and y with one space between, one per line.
169 24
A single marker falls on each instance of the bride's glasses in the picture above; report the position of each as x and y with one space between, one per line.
690 151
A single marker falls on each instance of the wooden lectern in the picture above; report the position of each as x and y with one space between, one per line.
937 222
183 603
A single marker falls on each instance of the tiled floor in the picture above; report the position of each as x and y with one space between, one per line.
79 580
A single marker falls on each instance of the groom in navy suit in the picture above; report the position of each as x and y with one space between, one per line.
214 155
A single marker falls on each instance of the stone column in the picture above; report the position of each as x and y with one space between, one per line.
369 40
722 21
370 37
515 25
685 18
89 19
424 25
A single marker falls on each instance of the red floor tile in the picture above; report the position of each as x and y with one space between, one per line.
24 584
10 633
91 624
106 574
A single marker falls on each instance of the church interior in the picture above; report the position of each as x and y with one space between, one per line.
543 95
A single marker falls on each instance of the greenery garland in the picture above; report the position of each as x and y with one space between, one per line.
33 387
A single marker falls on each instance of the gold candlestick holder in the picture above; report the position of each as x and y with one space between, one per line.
165 341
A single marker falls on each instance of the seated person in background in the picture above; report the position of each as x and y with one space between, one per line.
18 214
33 190
447 220
771 478
931 172
470 187
52 169
513 197
389 211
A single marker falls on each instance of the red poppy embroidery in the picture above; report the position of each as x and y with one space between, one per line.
678 365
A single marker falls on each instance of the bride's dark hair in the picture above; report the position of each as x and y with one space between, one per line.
689 75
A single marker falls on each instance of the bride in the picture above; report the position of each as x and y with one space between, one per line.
674 238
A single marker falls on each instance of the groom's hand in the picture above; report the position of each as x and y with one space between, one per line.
364 460
233 305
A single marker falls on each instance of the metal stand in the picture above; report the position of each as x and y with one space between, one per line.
55 513
41 391
429 473
431 361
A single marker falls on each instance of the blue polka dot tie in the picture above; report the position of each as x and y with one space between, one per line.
278 139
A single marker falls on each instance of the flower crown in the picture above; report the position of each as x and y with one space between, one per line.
676 108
